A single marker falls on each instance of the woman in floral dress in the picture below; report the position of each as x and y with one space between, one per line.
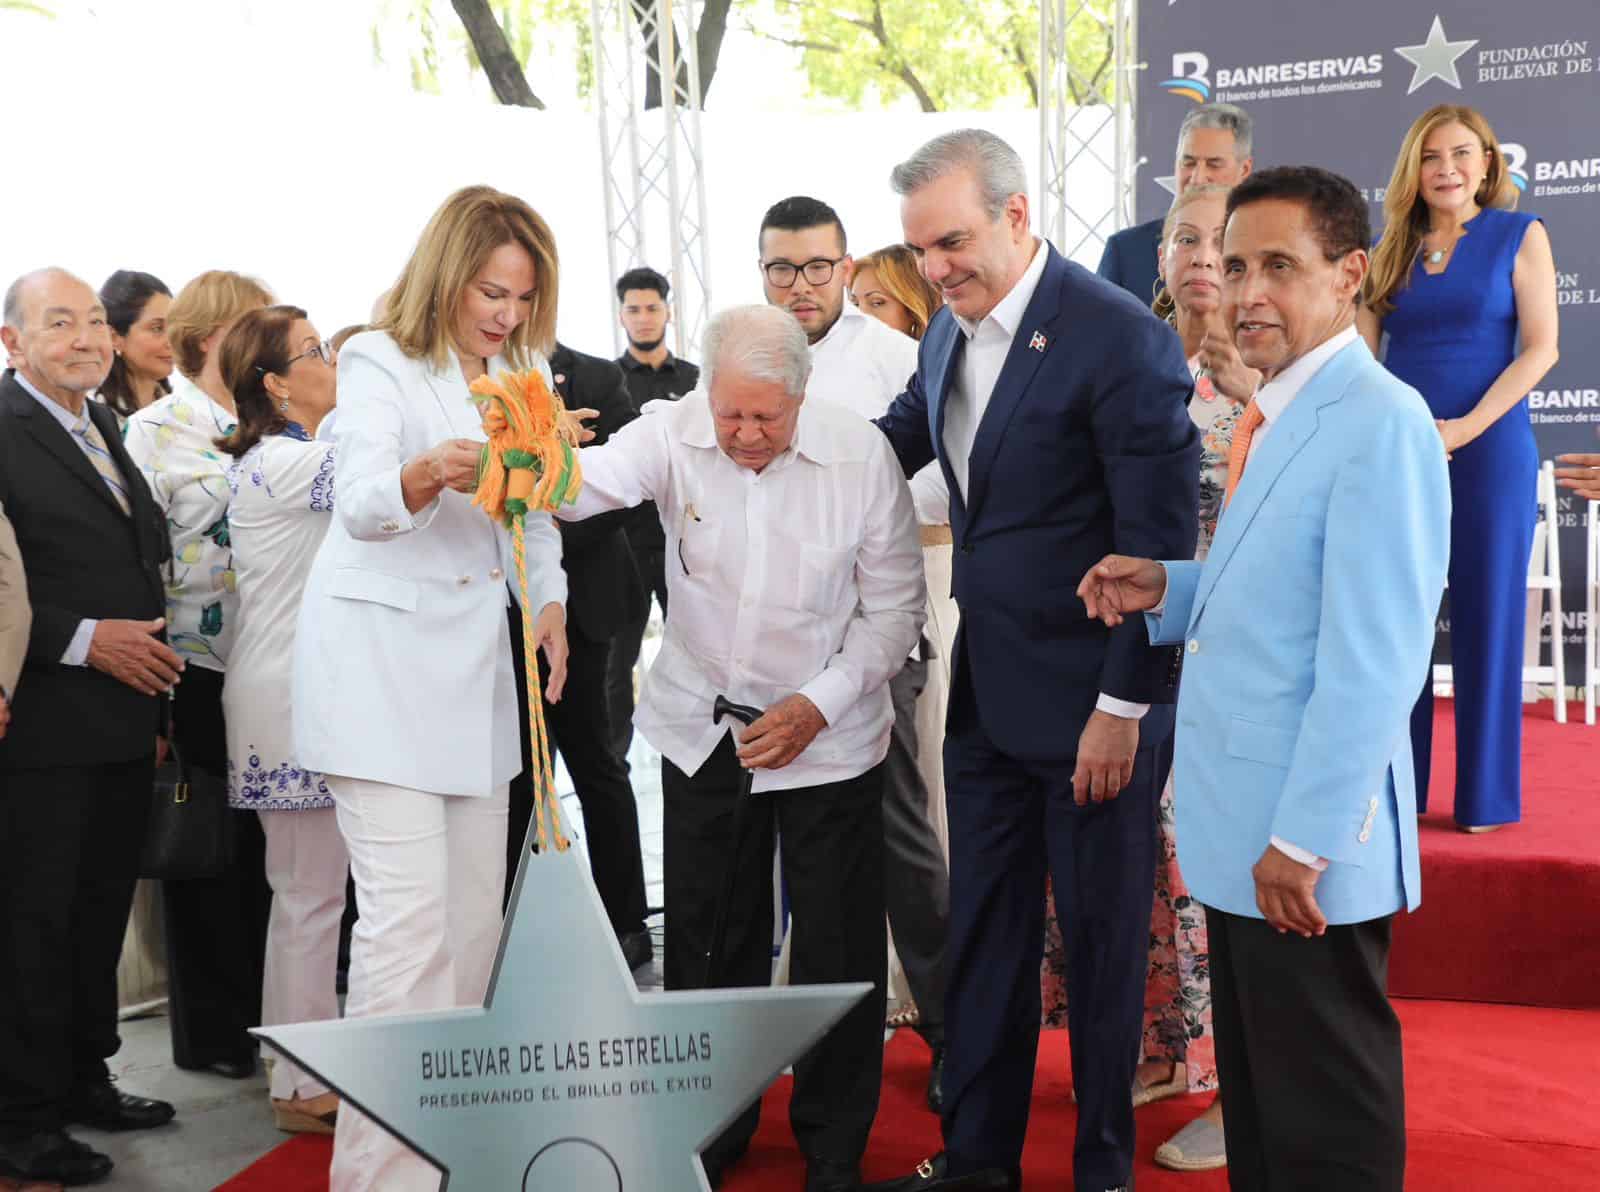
1178 1049
215 926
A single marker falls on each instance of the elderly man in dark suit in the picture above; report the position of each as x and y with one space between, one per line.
1214 146
604 595
77 765
1056 407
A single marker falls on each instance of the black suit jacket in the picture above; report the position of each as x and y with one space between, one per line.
604 591
1085 449
84 559
1129 260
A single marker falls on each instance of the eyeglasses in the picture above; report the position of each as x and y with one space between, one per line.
323 351
688 515
818 271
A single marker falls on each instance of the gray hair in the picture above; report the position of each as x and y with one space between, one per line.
11 312
995 164
1220 115
765 343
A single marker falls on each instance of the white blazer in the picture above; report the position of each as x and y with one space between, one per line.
402 668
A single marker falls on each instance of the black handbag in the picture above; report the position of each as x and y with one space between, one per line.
190 833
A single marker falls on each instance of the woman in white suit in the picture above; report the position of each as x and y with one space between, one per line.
403 691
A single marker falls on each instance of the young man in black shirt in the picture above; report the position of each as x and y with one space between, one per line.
652 372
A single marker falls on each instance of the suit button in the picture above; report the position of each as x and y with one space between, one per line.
496 573
966 548
1194 645
464 580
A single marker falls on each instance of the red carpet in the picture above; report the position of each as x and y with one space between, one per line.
1499 1097
1510 916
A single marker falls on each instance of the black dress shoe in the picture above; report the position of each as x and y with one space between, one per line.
55 1156
637 949
933 1175
241 1068
936 1082
102 1107
832 1175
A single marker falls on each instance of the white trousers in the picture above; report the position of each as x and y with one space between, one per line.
429 872
306 867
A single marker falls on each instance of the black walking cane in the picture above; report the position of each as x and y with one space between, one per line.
746 715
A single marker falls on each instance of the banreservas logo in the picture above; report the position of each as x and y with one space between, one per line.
1193 79
1189 77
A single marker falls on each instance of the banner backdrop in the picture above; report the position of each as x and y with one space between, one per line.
1338 85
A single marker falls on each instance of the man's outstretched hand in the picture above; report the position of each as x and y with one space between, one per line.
1118 586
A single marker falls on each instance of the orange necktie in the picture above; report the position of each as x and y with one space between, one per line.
1239 450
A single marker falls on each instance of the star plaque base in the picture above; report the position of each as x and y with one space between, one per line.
567 1077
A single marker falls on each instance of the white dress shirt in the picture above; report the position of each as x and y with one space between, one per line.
805 577
864 364
988 345
1272 399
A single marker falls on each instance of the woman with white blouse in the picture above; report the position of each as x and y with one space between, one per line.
216 926
280 373
403 695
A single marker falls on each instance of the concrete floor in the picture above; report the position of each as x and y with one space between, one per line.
224 1125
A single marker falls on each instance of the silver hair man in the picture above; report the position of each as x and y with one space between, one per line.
1224 116
762 343
996 165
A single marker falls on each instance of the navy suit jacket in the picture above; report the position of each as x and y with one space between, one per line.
1129 260
1086 448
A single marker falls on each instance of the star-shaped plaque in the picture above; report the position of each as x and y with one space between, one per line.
1435 58
568 1077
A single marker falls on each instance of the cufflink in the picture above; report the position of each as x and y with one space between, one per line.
1194 645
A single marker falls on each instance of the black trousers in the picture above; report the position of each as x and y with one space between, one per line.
1308 1057
625 651
1010 821
580 729
916 879
216 926
831 837
69 856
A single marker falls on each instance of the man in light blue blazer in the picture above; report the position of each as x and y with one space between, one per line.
1306 634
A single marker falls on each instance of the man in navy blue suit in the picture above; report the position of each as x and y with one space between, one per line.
1056 406
1214 146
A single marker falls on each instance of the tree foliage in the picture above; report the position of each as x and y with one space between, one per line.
944 54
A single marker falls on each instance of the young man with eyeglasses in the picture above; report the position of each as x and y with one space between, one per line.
862 364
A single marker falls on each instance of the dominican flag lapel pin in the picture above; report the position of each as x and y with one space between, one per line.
1038 343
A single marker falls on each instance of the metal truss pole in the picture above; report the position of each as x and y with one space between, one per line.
1085 123
652 164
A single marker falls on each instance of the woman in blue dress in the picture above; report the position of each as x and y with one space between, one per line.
1465 290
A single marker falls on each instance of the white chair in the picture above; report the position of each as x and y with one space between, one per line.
1591 632
1544 591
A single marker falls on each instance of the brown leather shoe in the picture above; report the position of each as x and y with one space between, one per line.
312 1115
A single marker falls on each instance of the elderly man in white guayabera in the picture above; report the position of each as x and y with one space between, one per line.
795 579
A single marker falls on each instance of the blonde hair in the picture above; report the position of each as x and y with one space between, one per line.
896 267
419 311
1406 214
1164 305
209 302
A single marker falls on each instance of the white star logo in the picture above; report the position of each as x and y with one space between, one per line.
1435 58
